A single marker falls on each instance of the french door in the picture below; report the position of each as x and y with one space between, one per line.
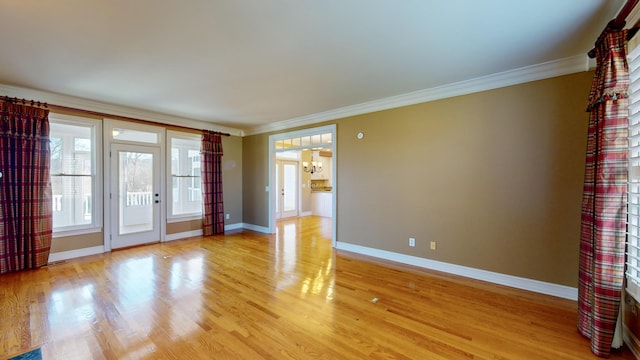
287 186
135 195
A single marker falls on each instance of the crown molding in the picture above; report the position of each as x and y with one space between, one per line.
110 109
541 71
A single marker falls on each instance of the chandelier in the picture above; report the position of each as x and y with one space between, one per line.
316 166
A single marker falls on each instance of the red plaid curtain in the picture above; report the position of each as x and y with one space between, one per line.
25 188
604 202
213 207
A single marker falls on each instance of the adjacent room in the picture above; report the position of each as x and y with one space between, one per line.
360 179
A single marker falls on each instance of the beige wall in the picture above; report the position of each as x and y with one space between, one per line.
495 178
232 178
184 226
76 242
255 178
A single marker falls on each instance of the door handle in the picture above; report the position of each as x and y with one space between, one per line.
157 201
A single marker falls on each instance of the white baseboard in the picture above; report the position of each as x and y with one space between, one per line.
233 226
66 255
306 213
182 235
542 287
257 228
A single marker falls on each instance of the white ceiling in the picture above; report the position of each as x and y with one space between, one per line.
247 63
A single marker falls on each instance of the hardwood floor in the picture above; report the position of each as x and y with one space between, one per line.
288 296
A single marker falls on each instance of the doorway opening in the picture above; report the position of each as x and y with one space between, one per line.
302 176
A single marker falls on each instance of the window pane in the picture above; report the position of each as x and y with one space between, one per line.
187 196
186 183
71 149
56 155
72 200
81 145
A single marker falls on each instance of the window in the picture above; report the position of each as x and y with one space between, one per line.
185 197
303 142
75 184
633 206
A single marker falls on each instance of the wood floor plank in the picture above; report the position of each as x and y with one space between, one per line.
247 295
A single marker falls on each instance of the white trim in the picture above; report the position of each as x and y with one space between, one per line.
71 254
305 213
257 228
115 110
235 226
183 235
541 71
542 287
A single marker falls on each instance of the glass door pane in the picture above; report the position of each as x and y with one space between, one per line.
290 178
279 190
136 192
135 195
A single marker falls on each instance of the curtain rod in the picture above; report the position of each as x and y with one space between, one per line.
15 100
618 24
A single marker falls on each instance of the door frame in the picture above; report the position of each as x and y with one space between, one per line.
116 207
271 189
108 127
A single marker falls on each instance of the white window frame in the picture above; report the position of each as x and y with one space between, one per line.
632 273
172 134
96 172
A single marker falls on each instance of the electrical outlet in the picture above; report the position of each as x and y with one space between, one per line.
228 216
433 245
412 242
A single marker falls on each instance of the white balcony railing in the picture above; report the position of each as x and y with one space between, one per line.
138 198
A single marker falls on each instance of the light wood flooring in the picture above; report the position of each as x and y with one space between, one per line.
286 296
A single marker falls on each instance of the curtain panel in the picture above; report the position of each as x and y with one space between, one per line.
212 202
604 202
25 188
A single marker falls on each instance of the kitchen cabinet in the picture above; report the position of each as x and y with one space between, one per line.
322 204
325 174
